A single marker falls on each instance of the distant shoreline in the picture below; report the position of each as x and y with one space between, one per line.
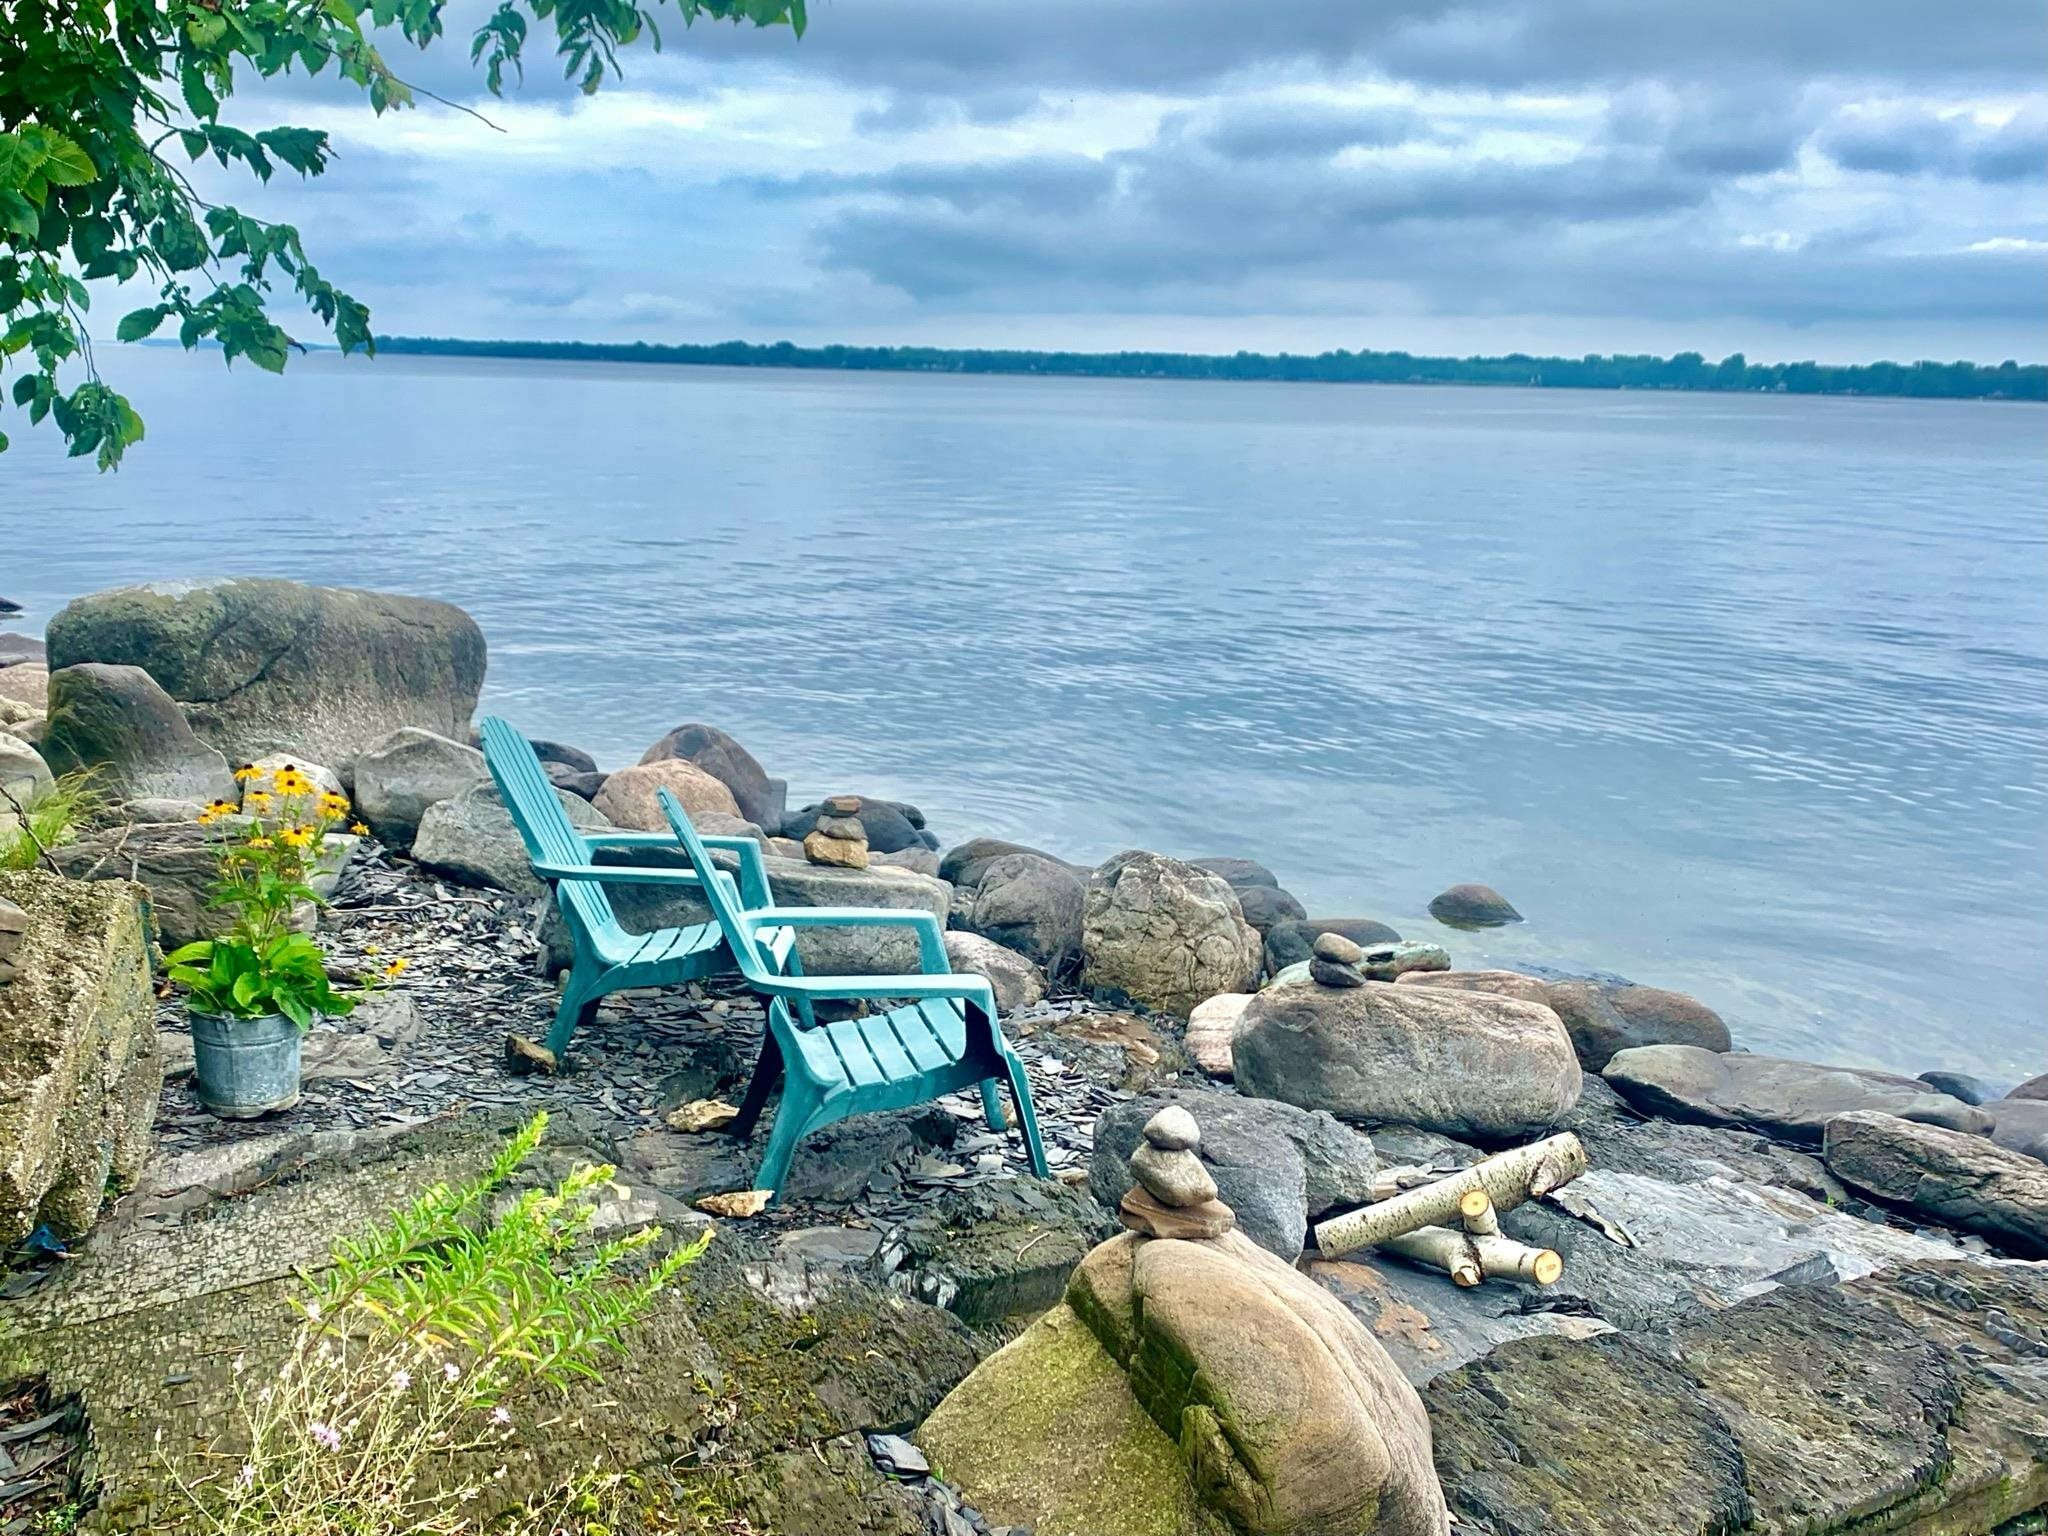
1687 371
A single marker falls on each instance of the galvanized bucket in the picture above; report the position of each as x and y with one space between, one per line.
245 1067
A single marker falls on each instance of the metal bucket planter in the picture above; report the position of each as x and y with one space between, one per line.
245 1067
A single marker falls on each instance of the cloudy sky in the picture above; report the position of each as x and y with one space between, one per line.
1842 179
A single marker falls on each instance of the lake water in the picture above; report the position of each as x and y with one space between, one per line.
1742 696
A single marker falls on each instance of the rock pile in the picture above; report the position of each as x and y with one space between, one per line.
838 836
1335 962
1174 1196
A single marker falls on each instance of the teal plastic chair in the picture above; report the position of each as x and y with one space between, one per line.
608 958
944 1039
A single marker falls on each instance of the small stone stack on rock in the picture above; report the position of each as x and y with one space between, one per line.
1336 962
838 838
1175 1195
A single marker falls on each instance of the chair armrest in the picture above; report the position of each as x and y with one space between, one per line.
931 944
970 988
617 874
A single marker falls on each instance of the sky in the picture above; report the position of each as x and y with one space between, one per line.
1789 178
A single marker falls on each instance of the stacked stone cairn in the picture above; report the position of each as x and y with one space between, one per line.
1336 962
1175 1195
839 837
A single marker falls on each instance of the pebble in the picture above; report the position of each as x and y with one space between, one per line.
842 805
1173 1178
848 829
1173 1129
1334 946
1328 973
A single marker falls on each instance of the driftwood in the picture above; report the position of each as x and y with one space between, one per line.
1415 1222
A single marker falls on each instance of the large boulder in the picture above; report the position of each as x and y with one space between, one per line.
1212 1033
857 951
470 838
24 778
400 777
1781 1097
116 721
263 665
1018 980
1162 935
1527 989
1472 906
760 798
1943 1176
26 684
1278 1412
80 1073
1465 1064
2020 1125
1278 1167
1604 1019
1026 901
1290 942
964 863
1239 874
628 798
2032 1088
1264 906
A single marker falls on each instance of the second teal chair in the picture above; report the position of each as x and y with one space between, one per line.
943 1039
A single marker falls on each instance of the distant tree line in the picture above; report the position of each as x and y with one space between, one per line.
1688 370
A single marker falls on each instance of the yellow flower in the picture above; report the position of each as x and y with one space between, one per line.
259 842
257 800
298 837
290 781
333 804
396 968
215 811
249 774
359 829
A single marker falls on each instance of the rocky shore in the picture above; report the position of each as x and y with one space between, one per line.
1794 1296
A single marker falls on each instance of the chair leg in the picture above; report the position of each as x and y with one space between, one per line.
766 1072
793 1121
1027 1118
577 1008
992 1104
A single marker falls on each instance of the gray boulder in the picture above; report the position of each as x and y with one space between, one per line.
1961 1085
1781 1097
1018 981
17 649
1162 935
1472 906
857 951
26 684
761 799
575 759
1265 905
1944 1176
585 786
1289 943
2032 1088
1466 1064
1278 1167
1239 873
1515 984
398 778
470 839
263 665
965 863
24 778
1379 962
2020 1125
1604 1019
1029 902
116 721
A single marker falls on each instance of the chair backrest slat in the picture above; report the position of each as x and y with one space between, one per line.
544 827
719 892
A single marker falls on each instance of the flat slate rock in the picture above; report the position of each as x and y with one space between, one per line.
1944 1176
1792 1099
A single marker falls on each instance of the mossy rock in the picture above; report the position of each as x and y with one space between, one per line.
1047 1433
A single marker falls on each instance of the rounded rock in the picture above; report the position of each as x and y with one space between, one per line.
1177 1179
1173 1129
1334 946
1328 973
1473 906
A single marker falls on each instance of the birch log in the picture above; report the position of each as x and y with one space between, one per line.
1470 1257
1508 1179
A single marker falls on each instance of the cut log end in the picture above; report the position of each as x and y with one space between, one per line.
1547 1267
1474 1204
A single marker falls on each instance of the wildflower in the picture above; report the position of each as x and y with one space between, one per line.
396 968
313 1311
449 1370
359 829
290 780
401 1378
215 811
501 1416
333 804
257 800
247 1476
261 842
297 837
249 773
325 1435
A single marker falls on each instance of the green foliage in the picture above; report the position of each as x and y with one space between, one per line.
1688 370
430 1341
52 819
265 855
99 100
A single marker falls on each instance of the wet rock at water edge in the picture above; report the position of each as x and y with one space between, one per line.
1604 1019
1961 1085
1943 1176
2020 1125
18 649
759 797
1290 943
1472 906
1162 935
1026 901
628 798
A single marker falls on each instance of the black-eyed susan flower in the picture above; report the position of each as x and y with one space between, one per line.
249 773
359 829
333 805
297 837
260 842
257 800
396 968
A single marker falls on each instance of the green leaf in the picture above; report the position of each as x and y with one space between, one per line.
18 160
141 322
18 215
64 163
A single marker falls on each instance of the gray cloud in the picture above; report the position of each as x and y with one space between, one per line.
1914 141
